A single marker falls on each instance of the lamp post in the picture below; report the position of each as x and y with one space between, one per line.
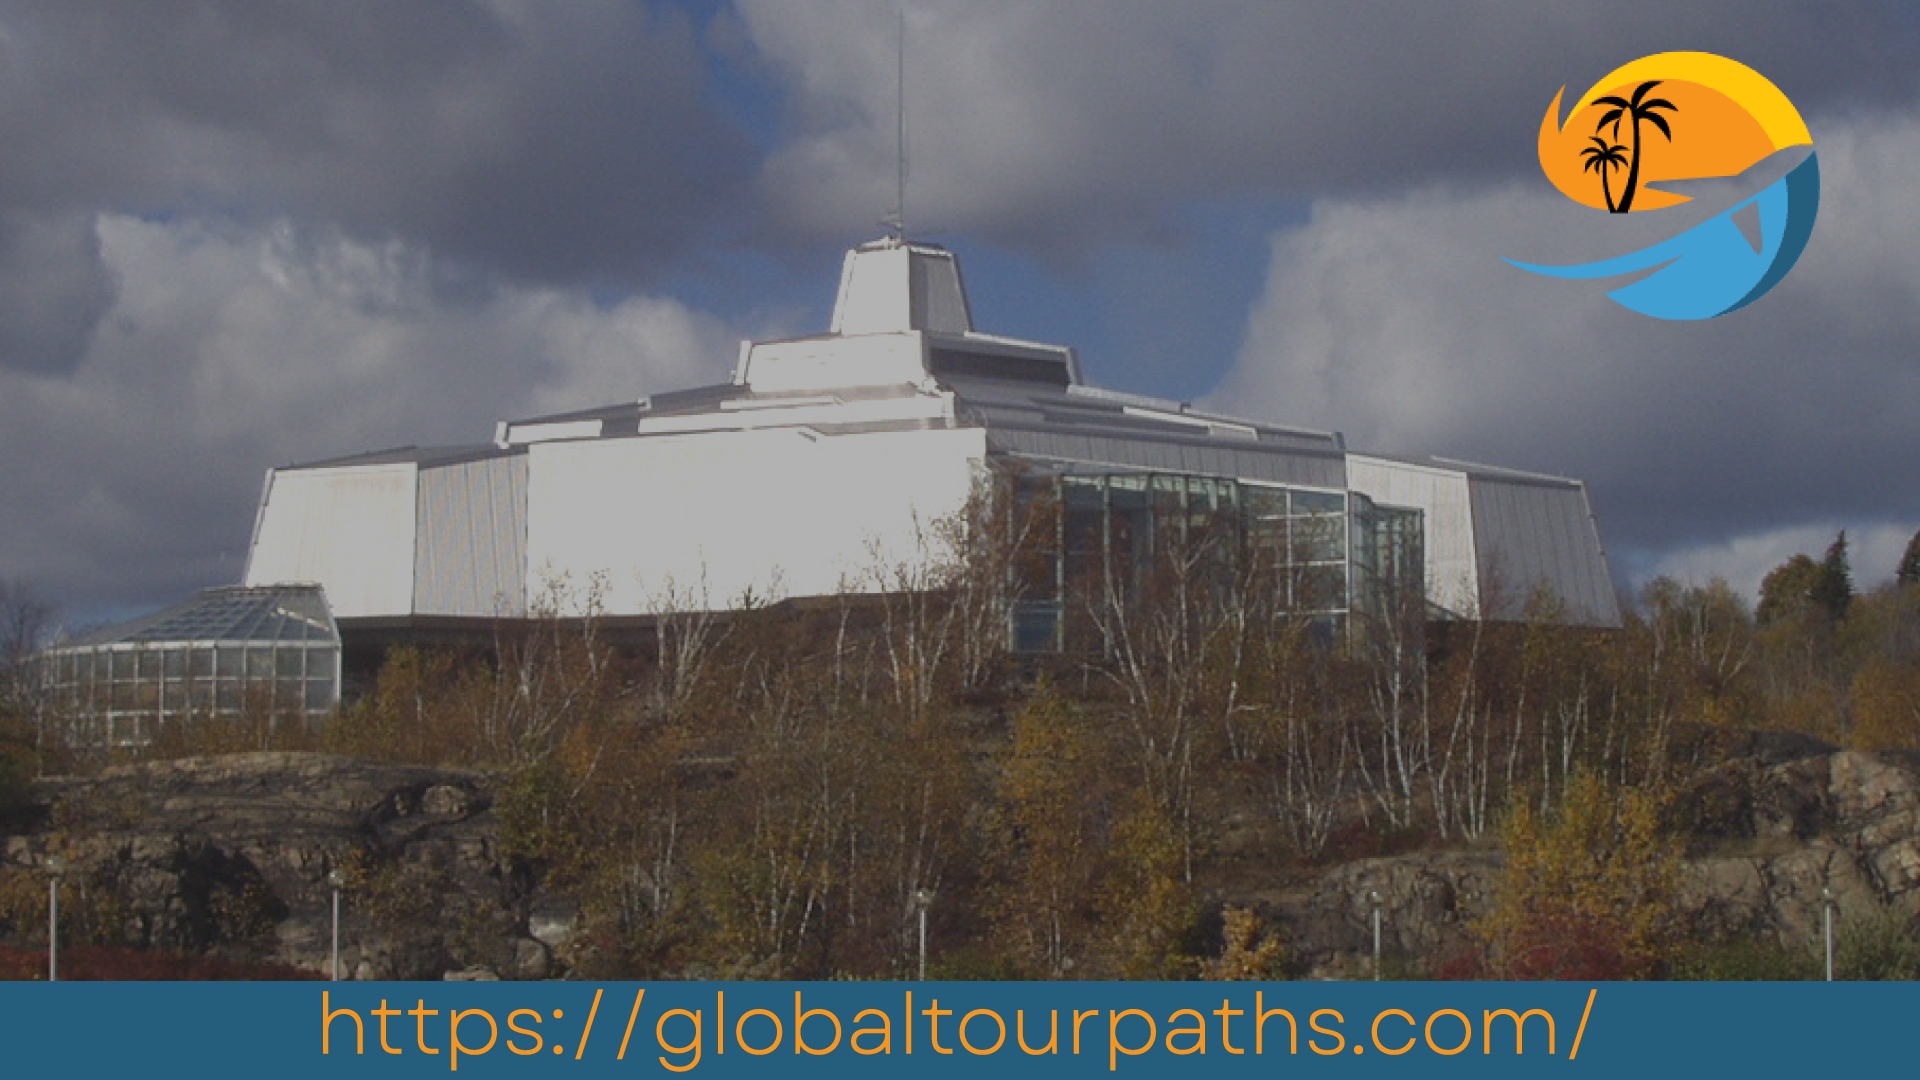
1826 912
335 880
923 899
55 867
1373 897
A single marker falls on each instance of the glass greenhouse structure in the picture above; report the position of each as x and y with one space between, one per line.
272 651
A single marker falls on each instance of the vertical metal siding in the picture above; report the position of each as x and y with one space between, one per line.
472 550
1531 535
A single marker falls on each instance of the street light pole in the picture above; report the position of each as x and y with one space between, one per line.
923 899
55 867
1373 895
1826 913
335 880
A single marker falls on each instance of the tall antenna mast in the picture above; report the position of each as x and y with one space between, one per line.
898 220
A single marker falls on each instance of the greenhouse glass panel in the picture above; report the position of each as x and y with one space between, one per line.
320 695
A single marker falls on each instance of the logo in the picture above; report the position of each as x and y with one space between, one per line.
1703 148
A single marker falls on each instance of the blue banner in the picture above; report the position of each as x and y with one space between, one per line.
955 1029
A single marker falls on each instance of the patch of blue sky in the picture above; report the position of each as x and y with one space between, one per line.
1164 315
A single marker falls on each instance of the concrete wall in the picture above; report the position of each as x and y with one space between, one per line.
702 520
350 529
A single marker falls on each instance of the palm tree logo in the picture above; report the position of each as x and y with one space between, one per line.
1602 157
1635 110
1734 120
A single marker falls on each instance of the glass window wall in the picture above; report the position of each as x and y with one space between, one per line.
1323 555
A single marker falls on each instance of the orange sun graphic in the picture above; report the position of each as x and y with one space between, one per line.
1711 135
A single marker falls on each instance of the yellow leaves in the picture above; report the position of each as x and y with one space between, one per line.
1587 892
1092 872
1249 952
407 718
1148 907
1886 706
1045 845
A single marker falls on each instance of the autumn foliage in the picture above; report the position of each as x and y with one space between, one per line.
788 790
1586 893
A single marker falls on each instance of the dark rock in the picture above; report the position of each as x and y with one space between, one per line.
233 854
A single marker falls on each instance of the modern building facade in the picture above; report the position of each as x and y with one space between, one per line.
855 461
828 463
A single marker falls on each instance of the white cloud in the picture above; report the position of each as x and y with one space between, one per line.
1873 552
1395 320
228 350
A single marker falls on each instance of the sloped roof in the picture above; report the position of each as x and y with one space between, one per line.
425 456
274 613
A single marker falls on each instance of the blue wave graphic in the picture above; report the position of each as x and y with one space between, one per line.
1712 269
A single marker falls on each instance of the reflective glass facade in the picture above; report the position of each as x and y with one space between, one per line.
272 651
1332 557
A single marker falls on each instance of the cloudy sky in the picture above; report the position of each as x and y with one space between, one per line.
239 234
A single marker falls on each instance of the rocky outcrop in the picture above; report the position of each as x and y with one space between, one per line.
1775 841
234 854
1427 903
1773 834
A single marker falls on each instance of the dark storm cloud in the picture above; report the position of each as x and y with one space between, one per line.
237 234
547 141
53 289
1066 123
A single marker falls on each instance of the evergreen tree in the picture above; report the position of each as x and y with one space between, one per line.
1909 572
1833 589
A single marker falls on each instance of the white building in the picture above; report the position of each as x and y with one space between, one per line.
828 459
